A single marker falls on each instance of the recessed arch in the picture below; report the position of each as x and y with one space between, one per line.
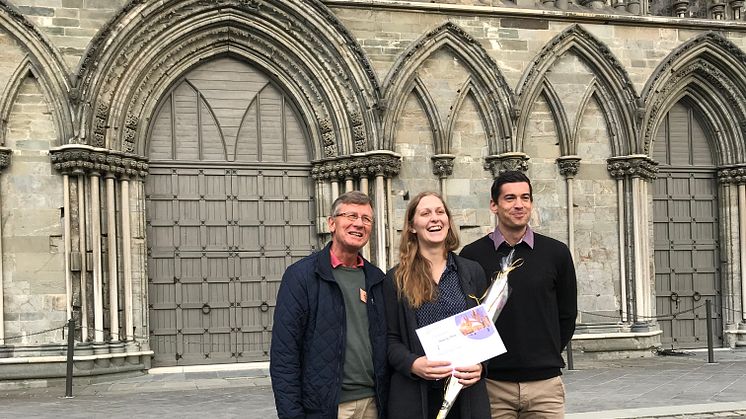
492 93
47 66
610 78
300 43
713 70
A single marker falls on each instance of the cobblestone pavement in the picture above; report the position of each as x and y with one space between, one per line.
660 387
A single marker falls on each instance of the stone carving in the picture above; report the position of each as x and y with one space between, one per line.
356 167
5 156
99 125
487 82
506 162
82 159
632 166
443 165
568 166
338 68
612 81
720 84
732 175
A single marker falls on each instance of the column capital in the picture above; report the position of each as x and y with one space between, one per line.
635 165
499 163
82 159
5 157
356 166
735 175
568 166
443 165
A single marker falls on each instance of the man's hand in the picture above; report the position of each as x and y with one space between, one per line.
468 375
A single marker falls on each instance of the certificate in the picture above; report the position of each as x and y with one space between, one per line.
467 338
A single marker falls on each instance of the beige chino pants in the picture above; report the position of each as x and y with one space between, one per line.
543 399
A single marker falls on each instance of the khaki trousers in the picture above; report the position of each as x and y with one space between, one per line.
358 409
543 399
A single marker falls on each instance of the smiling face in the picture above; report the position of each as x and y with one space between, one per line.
513 207
350 236
430 222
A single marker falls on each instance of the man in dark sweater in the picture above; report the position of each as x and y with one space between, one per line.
539 318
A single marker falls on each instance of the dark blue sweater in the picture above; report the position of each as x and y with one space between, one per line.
539 318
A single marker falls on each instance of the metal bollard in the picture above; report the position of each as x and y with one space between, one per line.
70 353
710 352
569 356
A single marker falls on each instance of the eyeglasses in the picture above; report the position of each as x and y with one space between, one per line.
352 216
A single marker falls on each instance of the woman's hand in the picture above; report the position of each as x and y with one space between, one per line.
468 375
431 370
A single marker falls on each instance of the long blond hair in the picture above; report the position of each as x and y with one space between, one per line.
413 277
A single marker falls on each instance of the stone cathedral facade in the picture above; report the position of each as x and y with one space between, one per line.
164 161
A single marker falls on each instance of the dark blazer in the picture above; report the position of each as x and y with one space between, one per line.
408 392
309 336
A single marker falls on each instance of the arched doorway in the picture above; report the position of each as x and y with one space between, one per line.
229 206
685 202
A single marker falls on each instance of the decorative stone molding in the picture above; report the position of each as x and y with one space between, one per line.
568 166
737 7
612 82
505 162
357 166
718 65
638 165
443 165
681 8
302 42
79 159
732 175
5 155
49 68
491 92
717 10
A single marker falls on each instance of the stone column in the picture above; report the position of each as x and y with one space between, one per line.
717 10
635 170
88 164
98 301
384 164
111 245
360 172
443 168
737 8
568 167
732 222
129 329
634 7
82 225
5 154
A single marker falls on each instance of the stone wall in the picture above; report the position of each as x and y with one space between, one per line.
31 193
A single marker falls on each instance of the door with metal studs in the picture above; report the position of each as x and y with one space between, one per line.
229 206
686 233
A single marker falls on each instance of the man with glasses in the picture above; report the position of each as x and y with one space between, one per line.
328 353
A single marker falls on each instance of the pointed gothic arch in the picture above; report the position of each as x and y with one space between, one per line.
612 81
431 113
300 43
559 116
493 96
48 67
711 69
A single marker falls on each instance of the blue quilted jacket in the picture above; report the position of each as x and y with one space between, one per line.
309 335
